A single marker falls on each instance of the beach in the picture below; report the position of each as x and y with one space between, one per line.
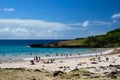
88 67
65 64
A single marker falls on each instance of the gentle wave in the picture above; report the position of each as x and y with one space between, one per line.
74 56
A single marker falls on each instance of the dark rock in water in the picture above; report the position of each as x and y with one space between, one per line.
56 73
37 70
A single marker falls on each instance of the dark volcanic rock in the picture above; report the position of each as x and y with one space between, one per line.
86 74
33 78
75 70
56 73
22 69
115 66
77 74
37 70
112 75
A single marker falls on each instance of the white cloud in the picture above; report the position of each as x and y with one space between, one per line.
9 9
24 28
85 23
76 24
48 33
2 30
35 23
14 32
117 15
114 21
100 23
93 23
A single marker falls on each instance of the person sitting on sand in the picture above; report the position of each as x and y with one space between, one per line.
113 60
36 59
99 58
32 62
107 59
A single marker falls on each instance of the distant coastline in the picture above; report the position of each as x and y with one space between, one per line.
109 40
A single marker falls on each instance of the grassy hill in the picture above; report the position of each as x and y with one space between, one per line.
111 39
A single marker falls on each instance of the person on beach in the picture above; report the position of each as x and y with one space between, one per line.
113 60
79 54
56 54
36 59
107 59
32 62
99 58
66 55
101 53
39 58
61 54
96 56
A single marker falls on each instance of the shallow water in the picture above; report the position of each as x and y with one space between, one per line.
18 49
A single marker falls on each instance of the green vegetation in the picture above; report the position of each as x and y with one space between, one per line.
75 42
111 39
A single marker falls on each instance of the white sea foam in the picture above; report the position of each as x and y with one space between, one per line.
73 56
27 59
103 53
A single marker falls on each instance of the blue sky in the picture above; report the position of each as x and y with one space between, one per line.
57 19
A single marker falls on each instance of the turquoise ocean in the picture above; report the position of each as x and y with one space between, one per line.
19 49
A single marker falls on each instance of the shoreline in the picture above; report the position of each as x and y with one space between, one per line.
106 52
48 52
64 64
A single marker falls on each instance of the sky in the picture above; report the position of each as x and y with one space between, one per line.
57 19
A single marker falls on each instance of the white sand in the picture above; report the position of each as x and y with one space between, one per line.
72 63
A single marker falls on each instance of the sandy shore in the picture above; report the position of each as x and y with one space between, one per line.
68 64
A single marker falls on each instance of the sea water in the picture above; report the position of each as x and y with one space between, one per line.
19 49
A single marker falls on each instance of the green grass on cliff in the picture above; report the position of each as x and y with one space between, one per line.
110 39
72 42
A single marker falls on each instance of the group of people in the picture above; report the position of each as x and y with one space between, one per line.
36 59
106 59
